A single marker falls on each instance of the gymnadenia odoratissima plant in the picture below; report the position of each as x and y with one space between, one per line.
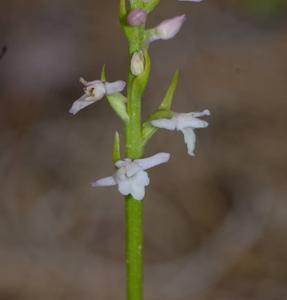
131 175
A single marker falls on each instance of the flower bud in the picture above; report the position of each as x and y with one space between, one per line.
136 17
137 63
169 28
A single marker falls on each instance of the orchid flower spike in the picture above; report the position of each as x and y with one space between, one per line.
94 91
131 177
166 29
186 123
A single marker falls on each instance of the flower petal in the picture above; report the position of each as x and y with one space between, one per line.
107 181
143 178
138 191
89 83
205 112
152 161
122 163
189 139
169 124
124 187
133 169
187 120
81 103
114 87
138 184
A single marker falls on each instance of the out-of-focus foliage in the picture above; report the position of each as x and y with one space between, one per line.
265 7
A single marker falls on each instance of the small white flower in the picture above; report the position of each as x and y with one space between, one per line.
186 123
131 177
94 91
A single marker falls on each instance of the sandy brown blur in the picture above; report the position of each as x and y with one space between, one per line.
215 225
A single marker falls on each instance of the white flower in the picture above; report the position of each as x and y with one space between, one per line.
131 177
166 29
94 91
186 123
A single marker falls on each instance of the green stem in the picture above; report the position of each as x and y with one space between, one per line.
134 208
134 248
134 148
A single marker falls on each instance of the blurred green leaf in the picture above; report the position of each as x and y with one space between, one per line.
265 7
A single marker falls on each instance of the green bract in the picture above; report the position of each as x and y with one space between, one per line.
116 147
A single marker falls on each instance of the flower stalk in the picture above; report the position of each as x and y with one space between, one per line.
131 177
134 149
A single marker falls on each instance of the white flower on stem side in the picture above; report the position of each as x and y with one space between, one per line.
166 29
186 123
131 177
94 91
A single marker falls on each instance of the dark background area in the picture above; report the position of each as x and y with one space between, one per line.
215 224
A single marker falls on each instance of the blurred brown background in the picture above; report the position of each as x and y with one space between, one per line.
215 225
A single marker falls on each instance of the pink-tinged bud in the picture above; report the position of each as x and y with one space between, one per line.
169 28
137 17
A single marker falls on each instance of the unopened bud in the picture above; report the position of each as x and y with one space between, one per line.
137 63
137 17
169 28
